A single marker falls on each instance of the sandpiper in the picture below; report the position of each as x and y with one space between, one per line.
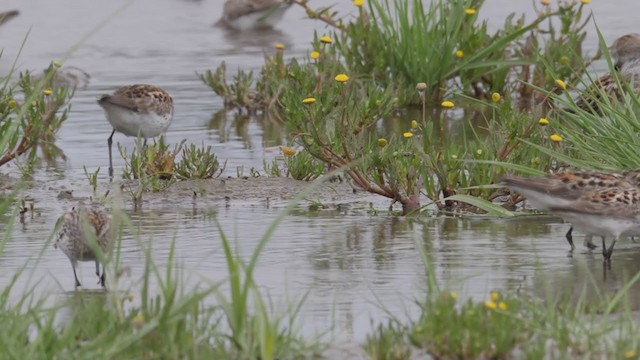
561 190
252 14
625 52
80 226
613 211
137 110
625 49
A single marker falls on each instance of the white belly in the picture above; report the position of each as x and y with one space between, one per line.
132 123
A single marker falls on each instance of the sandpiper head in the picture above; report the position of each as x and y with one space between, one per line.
625 48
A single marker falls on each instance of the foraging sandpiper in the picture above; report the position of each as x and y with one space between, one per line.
561 192
79 227
625 52
252 14
137 110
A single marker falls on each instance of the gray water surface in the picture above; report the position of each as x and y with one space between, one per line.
347 261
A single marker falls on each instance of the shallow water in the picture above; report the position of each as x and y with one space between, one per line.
347 260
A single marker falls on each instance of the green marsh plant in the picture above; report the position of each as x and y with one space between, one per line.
198 163
31 113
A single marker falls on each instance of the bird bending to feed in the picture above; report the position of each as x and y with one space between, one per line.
625 52
572 195
79 227
625 49
137 110
253 14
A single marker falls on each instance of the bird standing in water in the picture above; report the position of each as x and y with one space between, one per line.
137 110
79 227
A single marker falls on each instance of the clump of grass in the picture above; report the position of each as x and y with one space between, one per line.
388 343
31 124
198 163
155 160
237 95
299 165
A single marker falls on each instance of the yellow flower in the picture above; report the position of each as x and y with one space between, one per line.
495 97
459 54
287 151
453 295
470 11
137 321
326 39
47 91
358 2
280 46
342 78
407 134
479 151
585 1
561 84
12 104
494 295
382 142
454 156
630 354
543 122
490 304
309 100
414 124
555 138
314 54
502 305
545 2
447 104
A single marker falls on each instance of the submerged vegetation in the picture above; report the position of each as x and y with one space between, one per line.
513 88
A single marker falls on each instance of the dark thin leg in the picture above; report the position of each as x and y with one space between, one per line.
110 142
607 252
570 238
102 279
97 268
144 144
75 275
588 242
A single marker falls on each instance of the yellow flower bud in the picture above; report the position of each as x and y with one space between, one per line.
342 78
555 138
382 142
490 304
326 39
447 104
287 151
